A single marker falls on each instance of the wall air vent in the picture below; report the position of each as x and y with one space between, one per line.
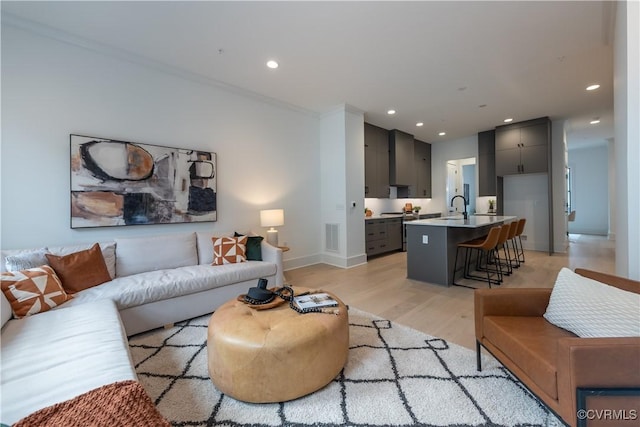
331 238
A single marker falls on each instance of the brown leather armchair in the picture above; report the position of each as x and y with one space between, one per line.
600 376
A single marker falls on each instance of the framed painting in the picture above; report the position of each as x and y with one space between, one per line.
115 183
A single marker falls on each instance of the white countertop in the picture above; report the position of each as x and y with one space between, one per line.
387 216
459 221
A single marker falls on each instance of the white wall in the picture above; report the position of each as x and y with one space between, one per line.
267 153
354 183
611 153
342 181
590 192
559 181
627 136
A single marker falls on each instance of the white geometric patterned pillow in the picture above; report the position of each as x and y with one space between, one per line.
591 309
229 250
33 291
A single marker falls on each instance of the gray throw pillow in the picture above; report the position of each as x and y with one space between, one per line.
26 260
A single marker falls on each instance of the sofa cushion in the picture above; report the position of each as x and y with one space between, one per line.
229 250
205 247
530 342
33 291
142 254
80 270
159 285
25 260
60 354
592 309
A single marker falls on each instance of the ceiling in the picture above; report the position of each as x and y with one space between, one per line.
458 67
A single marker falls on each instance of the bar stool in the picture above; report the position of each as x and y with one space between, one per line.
503 243
503 238
513 231
484 247
520 252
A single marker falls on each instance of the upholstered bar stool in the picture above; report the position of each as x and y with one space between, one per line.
513 231
485 248
503 239
521 224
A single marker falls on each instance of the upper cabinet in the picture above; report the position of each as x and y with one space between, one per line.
401 163
422 163
487 163
395 158
376 162
523 147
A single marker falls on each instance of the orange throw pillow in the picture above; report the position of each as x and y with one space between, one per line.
229 250
33 291
80 270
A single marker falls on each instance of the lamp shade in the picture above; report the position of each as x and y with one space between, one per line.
272 217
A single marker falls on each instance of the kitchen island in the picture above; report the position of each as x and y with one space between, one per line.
432 245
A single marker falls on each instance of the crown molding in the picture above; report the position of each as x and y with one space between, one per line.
47 31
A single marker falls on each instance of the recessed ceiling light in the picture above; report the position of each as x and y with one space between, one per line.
272 64
419 124
509 120
390 112
593 87
595 121
442 133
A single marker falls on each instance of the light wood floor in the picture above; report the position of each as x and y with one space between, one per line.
382 288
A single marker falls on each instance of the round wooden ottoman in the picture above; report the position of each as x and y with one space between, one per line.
275 355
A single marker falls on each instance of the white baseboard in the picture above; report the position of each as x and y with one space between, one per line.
293 263
334 260
342 262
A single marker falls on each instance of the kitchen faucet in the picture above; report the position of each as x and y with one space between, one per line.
465 204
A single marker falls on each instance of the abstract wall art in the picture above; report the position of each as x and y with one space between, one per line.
117 183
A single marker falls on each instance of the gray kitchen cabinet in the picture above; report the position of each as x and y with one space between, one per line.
508 162
487 163
523 147
376 162
507 138
375 232
401 166
422 162
383 235
394 234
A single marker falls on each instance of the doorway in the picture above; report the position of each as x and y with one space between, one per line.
461 181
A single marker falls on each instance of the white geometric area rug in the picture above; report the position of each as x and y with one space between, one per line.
394 376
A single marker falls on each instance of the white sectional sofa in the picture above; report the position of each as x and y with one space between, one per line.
82 344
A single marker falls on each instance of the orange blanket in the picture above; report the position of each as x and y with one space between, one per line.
123 403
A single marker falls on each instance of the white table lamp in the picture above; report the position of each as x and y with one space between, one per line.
272 218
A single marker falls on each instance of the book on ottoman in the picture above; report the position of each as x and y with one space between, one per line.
315 301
